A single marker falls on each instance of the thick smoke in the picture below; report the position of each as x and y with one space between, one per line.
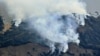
55 20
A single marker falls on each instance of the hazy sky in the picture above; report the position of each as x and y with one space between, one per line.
93 5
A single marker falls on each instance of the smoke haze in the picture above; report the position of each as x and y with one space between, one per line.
55 20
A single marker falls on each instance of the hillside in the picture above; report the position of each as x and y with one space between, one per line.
18 41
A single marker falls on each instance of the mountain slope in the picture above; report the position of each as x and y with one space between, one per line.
16 39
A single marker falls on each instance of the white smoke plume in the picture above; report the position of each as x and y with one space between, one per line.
45 16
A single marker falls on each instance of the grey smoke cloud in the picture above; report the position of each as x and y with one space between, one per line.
45 16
